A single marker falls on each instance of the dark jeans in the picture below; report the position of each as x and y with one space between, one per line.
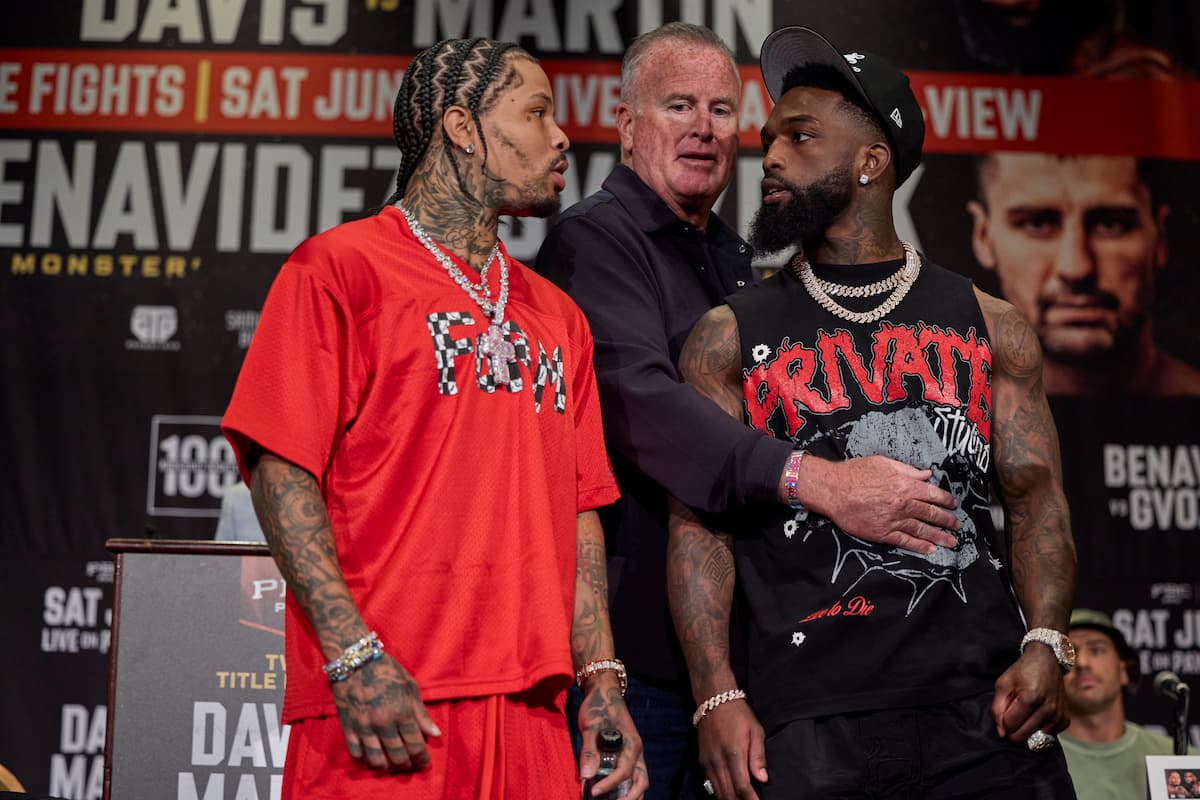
664 721
929 753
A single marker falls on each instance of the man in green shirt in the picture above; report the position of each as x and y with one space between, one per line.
1106 754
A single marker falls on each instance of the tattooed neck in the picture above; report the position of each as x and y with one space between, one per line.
863 235
859 246
463 224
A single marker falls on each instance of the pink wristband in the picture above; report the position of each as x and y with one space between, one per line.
791 477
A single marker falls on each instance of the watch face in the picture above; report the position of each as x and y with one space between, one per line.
1068 651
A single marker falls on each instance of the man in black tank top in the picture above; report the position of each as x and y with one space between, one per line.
876 669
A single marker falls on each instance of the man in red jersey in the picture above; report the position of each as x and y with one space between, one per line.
407 384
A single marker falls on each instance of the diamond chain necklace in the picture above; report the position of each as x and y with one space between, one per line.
823 291
481 285
495 345
479 294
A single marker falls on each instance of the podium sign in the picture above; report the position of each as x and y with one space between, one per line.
197 671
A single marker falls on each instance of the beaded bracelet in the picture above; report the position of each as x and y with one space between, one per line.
600 665
354 657
791 477
714 701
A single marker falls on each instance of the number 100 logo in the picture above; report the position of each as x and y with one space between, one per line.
191 466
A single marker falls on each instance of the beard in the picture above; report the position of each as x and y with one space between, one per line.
546 206
807 215
531 199
532 204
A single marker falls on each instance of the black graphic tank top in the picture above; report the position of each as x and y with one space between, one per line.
840 625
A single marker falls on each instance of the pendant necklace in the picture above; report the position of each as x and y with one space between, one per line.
494 345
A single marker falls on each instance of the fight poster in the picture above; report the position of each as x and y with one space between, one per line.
159 159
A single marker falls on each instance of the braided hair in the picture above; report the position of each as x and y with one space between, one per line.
452 72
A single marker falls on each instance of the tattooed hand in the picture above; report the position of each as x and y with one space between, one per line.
383 718
379 706
603 707
591 639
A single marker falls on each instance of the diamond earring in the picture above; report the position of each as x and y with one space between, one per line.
470 149
863 179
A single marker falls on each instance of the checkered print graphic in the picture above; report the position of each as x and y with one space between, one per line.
550 370
446 347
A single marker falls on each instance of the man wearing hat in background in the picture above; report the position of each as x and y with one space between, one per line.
1106 753
875 670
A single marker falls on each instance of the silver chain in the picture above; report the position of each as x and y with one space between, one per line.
823 291
494 311
870 290
481 286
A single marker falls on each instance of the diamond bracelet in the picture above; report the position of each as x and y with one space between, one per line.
714 701
592 667
354 657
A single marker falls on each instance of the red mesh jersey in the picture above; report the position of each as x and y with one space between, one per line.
452 499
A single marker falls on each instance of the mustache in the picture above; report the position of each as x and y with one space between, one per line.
773 182
1080 299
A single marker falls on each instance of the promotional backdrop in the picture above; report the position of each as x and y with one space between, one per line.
198 687
160 158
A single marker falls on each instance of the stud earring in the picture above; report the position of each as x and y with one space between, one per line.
470 149
863 179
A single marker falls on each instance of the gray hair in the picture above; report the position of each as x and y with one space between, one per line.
684 33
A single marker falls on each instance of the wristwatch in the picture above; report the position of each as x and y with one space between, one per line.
1064 651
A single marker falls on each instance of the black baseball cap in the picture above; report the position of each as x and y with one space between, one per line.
885 89
1099 621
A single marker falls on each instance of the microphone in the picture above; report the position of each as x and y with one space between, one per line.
1169 685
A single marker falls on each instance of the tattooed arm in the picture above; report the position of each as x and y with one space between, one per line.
591 640
380 708
700 582
1030 694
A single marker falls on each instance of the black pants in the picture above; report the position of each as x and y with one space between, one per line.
927 753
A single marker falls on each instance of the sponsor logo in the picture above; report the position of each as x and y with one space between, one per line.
100 571
191 466
1171 594
895 115
242 322
263 595
152 328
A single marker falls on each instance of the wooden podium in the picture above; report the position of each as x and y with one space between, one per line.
196 671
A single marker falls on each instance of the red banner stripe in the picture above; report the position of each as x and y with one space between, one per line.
346 95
